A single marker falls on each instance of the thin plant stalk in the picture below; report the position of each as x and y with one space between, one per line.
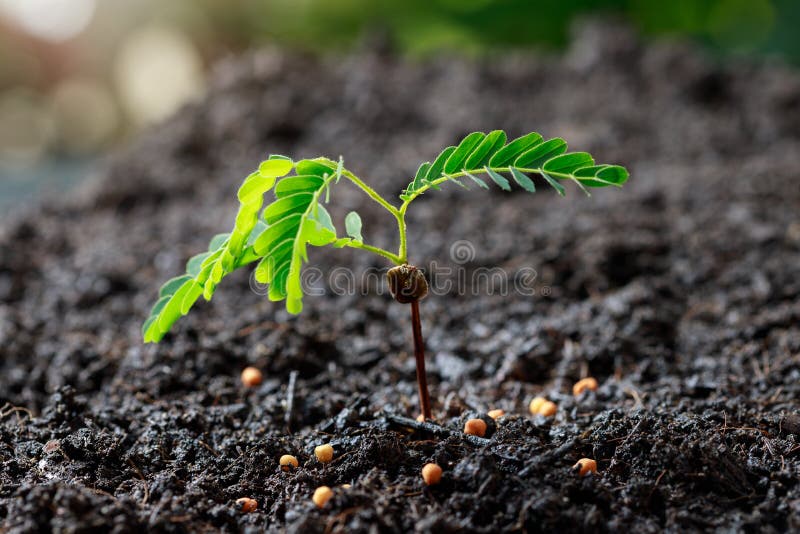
419 355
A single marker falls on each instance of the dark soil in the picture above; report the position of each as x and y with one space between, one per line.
679 293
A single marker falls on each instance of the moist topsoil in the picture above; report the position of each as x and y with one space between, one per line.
679 293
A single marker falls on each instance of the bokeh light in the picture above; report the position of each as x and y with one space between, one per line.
157 71
26 127
86 114
52 20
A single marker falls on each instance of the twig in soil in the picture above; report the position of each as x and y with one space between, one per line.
434 429
144 481
290 400
342 415
269 325
656 484
548 456
7 409
207 446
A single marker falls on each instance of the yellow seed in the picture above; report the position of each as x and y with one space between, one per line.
288 462
548 409
346 486
584 384
251 377
496 414
475 427
420 418
585 466
322 495
246 505
536 405
431 474
324 453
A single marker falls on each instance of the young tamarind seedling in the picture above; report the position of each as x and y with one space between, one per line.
276 237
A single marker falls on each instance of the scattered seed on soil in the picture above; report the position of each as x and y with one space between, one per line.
475 427
431 474
246 505
251 377
288 462
322 495
496 414
584 384
548 409
324 453
584 466
536 405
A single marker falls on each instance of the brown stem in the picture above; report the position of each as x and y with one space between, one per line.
419 354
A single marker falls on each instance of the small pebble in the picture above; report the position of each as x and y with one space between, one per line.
288 462
584 384
246 505
431 474
322 495
324 453
585 466
251 377
496 414
475 427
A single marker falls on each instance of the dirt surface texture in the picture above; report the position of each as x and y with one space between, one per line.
679 293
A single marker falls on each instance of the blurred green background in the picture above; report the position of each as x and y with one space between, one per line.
80 76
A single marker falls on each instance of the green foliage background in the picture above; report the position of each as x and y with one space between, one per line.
472 26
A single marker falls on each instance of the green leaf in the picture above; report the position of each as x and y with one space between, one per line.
146 326
191 296
159 305
284 206
254 186
257 229
524 182
613 174
416 183
276 232
506 155
567 163
316 233
278 255
477 180
352 224
324 218
172 285
436 168
456 160
316 167
457 181
172 309
195 264
498 179
217 242
536 156
297 184
485 150
275 167
554 183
